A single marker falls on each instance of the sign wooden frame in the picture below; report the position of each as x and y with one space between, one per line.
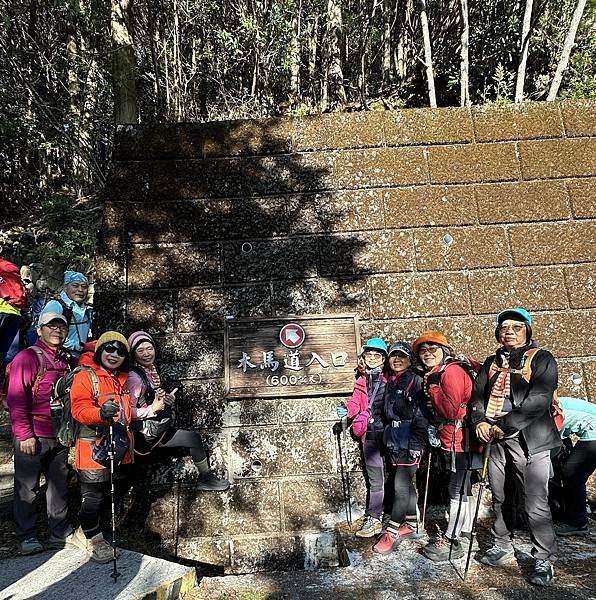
328 336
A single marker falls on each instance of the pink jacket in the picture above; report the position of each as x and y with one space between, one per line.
29 413
359 401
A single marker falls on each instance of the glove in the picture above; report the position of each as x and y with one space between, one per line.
433 440
415 454
432 379
342 411
337 428
108 410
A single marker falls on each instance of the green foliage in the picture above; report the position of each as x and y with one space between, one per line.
61 230
502 86
211 60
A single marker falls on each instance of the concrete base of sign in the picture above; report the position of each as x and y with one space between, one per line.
68 574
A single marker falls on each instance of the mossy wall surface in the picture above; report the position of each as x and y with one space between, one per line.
343 213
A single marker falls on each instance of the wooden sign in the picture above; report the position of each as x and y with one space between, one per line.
291 356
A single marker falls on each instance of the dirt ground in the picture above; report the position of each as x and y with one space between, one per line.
406 574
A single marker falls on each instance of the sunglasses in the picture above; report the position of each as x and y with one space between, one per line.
112 348
428 349
515 328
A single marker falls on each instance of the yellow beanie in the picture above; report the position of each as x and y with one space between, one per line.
111 336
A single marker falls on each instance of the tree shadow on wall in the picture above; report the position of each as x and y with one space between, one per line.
203 222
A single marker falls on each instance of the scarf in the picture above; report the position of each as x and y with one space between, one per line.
153 376
499 391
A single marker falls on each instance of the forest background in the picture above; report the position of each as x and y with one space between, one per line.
71 71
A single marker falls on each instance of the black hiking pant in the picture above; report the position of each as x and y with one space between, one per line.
51 460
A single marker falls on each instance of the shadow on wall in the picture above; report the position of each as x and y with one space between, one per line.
203 222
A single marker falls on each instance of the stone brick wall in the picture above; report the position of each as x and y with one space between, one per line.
413 219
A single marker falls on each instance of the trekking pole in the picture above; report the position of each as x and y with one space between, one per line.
430 456
345 473
112 452
483 483
344 488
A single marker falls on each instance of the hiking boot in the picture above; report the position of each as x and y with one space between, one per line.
497 556
543 574
387 543
443 549
99 550
406 530
563 529
358 523
30 546
58 543
371 526
209 482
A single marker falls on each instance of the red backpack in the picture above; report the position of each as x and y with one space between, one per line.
11 285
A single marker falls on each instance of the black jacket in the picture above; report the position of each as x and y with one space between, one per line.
404 400
531 413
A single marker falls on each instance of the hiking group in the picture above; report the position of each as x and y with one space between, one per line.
104 397
108 399
498 423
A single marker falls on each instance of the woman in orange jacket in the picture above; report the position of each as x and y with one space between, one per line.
98 395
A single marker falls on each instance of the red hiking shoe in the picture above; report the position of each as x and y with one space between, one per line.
388 542
406 530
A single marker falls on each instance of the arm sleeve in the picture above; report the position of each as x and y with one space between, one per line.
354 404
19 399
419 435
477 407
83 405
136 389
539 398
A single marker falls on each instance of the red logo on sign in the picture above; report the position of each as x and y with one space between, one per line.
292 335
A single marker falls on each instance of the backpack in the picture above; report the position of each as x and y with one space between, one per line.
11 285
40 373
65 427
396 435
556 410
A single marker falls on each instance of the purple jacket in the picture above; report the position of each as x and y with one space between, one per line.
29 413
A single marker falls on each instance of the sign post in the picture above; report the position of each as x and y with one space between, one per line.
291 356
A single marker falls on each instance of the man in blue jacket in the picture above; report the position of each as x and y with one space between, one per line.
72 303
579 421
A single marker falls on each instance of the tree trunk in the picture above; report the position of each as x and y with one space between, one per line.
295 54
525 42
74 101
428 61
386 64
334 78
403 44
566 52
464 83
123 65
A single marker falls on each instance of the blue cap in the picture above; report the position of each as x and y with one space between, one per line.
517 314
72 276
376 344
